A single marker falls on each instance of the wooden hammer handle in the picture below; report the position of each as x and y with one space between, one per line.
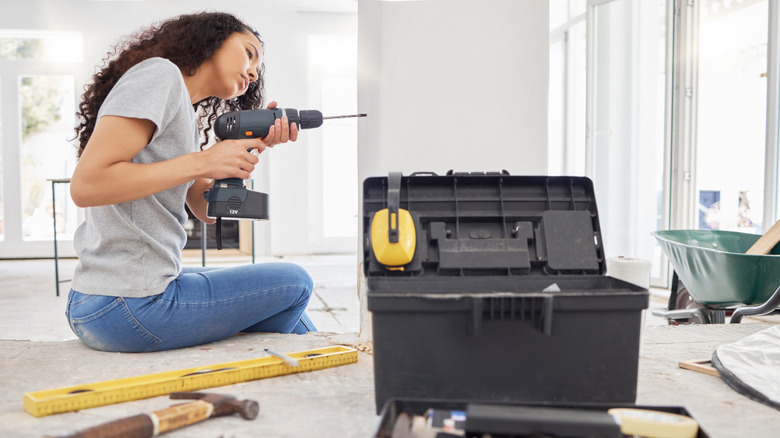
137 426
765 243
150 425
178 416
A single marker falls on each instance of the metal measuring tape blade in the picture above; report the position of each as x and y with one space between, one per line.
74 398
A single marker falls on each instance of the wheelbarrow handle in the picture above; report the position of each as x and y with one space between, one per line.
771 304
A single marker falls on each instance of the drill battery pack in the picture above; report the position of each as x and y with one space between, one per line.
229 199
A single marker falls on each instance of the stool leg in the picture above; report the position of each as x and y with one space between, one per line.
56 256
203 244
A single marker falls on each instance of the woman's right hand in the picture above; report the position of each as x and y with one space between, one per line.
232 158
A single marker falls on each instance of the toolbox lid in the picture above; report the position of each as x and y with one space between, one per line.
485 225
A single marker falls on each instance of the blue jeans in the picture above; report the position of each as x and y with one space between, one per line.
202 305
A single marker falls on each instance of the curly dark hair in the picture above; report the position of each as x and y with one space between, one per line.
187 41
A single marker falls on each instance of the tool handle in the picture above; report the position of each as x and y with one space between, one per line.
150 425
765 243
178 416
138 426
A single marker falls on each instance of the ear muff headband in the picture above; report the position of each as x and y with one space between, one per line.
393 236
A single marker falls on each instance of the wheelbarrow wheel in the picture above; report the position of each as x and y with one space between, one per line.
680 298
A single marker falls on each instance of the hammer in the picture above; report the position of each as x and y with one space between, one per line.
177 416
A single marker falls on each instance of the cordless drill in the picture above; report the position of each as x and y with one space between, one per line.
229 198
256 123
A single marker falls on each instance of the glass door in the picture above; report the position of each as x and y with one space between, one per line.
566 106
731 109
626 124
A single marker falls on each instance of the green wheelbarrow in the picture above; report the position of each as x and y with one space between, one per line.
713 276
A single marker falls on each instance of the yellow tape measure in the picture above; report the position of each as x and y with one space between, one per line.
74 398
655 424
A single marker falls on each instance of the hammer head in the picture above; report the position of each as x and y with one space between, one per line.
223 404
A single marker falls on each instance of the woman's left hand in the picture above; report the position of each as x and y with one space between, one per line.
281 132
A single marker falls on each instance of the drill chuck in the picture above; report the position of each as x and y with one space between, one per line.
256 123
309 119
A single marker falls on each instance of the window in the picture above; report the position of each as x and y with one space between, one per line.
2 220
566 109
730 119
333 61
627 76
339 163
46 46
607 114
38 71
724 150
47 122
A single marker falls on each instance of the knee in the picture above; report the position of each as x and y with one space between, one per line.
299 275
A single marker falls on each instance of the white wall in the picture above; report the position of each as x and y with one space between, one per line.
451 84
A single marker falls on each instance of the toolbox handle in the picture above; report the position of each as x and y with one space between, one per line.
536 311
503 172
393 204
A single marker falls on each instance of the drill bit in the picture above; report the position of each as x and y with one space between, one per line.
344 117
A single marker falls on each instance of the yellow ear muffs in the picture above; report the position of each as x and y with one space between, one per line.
384 227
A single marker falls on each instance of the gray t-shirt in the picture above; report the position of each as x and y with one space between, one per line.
133 249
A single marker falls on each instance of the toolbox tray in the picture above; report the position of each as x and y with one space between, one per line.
505 299
394 407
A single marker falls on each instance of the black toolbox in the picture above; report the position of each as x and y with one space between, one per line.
517 420
504 299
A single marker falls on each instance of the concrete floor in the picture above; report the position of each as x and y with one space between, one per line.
40 352
39 347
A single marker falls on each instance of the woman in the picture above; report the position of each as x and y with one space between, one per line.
140 162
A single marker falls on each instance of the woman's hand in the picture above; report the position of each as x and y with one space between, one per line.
224 159
281 132
231 158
